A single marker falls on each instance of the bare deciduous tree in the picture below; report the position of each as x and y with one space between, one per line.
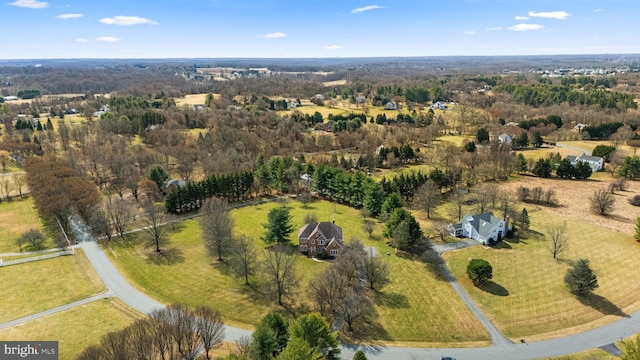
217 227
376 272
602 202
243 258
429 196
155 231
368 227
484 195
558 242
19 181
279 268
209 327
120 214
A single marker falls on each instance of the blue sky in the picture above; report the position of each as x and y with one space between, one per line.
36 29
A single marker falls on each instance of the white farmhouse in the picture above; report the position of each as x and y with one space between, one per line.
483 228
595 162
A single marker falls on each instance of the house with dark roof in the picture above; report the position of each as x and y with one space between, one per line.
323 238
171 184
484 228
595 162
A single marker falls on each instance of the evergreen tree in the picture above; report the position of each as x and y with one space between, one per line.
565 169
359 355
479 271
314 330
391 203
580 279
525 222
279 226
373 197
638 228
542 168
270 337
158 175
521 163
482 135
537 139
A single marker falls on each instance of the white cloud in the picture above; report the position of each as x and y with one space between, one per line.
275 35
108 39
560 15
80 40
469 32
31 4
127 21
521 18
525 27
598 10
494 29
69 16
366 8
333 47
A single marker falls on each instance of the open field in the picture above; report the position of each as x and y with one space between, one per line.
335 82
199 280
527 296
37 286
194 99
77 328
16 217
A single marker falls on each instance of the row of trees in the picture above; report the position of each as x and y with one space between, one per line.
192 196
564 169
174 332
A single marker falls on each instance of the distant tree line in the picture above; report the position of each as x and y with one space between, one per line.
548 94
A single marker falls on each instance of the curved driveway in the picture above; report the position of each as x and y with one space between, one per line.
501 349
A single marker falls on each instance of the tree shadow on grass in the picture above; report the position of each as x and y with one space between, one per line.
365 333
170 256
391 300
494 288
602 304
502 245
435 265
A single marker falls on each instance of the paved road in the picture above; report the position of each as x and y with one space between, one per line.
117 285
54 310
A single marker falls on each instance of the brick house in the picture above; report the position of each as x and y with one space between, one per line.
320 238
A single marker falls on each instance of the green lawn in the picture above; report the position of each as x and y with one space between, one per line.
16 217
527 296
40 285
75 329
199 280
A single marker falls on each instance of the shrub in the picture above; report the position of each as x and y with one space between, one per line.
635 201
479 271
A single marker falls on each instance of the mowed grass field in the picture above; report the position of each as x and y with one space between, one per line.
17 217
75 329
41 285
527 296
416 308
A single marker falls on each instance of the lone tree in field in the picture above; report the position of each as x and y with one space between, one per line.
217 227
279 226
155 232
580 279
559 241
32 237
243 258
602 202
525 222
479 271
279 269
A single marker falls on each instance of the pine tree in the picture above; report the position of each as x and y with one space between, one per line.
524 220
580 279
